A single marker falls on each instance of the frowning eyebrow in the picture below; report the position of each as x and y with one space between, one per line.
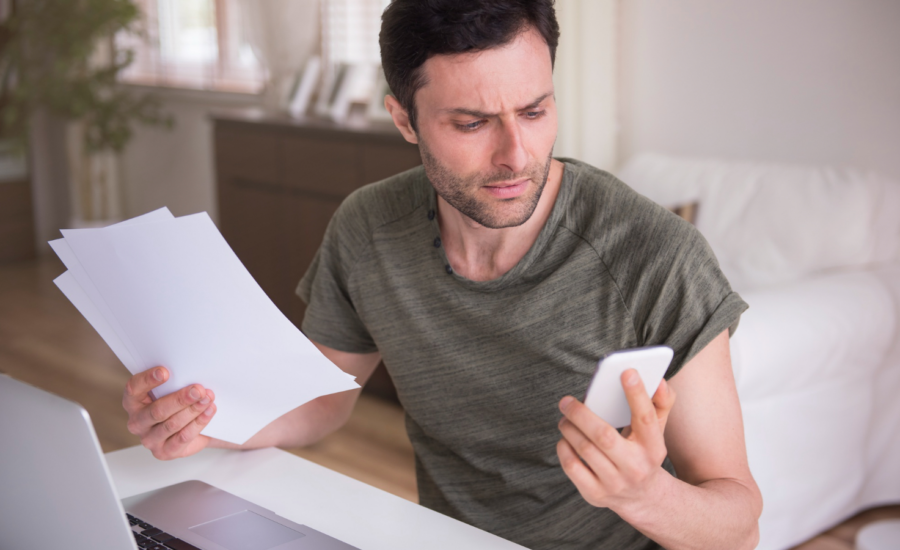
481 114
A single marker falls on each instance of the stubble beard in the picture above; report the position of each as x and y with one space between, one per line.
460 192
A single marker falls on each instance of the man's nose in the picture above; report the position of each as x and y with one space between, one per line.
510 153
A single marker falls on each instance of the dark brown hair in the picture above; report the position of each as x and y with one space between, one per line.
414 30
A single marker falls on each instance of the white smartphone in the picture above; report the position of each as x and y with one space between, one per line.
606 397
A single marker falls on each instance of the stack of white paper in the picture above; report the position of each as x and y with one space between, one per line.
170 291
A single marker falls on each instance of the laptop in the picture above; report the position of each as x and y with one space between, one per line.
56 492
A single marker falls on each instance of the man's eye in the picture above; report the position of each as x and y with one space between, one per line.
535 114
470 127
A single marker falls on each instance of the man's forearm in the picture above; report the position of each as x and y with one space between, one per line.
302 426
311 422
719 513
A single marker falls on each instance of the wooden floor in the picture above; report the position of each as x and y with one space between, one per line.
45 341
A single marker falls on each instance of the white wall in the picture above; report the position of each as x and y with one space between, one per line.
174 167
811 81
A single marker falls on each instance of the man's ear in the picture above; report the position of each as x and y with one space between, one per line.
401 118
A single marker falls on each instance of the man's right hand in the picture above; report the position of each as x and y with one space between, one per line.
169 426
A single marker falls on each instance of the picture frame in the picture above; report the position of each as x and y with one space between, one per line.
306 85
333 101
345 85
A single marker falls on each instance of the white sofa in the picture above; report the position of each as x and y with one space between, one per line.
815 252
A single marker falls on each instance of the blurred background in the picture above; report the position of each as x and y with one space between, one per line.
776 121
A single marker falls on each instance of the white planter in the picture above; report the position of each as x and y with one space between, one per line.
95 183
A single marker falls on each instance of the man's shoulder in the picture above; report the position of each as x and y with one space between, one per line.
602 207
381 203
632 236
385 201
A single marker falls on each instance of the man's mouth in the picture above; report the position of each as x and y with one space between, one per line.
507 190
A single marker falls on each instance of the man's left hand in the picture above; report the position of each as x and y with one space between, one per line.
616 468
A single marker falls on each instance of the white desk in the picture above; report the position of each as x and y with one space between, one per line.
306 493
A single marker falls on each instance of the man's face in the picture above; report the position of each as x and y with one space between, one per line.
487 124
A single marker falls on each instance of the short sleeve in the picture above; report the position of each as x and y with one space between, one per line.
331 318
672 284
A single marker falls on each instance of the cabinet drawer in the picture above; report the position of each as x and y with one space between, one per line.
322 166
251 226
305 221
16 221
248 155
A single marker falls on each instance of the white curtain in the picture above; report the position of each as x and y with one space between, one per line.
585 81
283 34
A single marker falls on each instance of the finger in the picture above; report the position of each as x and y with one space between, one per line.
138 387
188 441
663 400
644 421
596 460
159 433
582 477
604 436
163 408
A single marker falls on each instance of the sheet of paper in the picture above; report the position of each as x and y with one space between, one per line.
183 300
73 291
80 290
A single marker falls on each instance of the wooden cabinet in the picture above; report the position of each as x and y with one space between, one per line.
16 221
279 182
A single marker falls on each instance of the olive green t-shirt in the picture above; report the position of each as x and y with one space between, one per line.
480 366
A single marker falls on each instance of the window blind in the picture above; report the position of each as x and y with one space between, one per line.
350 30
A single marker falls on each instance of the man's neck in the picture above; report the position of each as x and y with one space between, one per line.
483 254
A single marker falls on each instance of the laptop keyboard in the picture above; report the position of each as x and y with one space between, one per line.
149 537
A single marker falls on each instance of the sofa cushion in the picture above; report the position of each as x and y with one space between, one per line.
817 366
839 326
770 223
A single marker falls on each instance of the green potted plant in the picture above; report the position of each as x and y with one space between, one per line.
60 57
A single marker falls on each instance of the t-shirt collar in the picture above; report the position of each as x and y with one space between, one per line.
514 275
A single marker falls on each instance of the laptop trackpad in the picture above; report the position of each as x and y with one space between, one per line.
246 531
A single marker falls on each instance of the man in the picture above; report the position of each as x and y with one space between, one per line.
490 281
